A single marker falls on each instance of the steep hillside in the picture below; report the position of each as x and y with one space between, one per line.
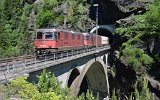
20 18
137 49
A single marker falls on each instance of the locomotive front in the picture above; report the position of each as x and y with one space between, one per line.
45 40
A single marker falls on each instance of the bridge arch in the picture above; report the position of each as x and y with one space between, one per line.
94 77
72 77
105 30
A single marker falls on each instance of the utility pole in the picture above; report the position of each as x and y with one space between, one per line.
96 5
65 10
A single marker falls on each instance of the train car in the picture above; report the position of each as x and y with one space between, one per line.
98 40
104 40
90 40
87 39
53 40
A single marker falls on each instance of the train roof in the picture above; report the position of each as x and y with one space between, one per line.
54 29
45 30
85 34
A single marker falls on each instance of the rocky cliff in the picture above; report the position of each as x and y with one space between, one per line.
112 10
120 12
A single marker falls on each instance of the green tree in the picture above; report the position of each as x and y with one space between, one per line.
47 88
49 83
142 91
152 20
136 58
23 88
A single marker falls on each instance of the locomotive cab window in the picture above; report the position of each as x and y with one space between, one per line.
48 35
55 35
39 35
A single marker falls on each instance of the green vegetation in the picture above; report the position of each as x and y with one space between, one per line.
141 91
47 88
144 93
19 19
136 58
140 34
142 25
137 29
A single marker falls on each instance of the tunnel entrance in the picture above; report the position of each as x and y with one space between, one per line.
95 81
104 30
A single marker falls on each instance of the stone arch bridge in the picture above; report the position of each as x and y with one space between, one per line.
80 74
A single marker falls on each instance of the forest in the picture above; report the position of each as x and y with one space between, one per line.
136 43
20 18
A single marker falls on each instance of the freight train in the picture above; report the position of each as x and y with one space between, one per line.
55 40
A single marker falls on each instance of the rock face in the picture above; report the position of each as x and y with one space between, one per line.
112 10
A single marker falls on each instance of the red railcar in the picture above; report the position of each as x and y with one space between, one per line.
99 43
90 40
51 40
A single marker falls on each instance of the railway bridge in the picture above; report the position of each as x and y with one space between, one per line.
78 69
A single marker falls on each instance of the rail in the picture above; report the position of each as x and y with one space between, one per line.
6 61
14 68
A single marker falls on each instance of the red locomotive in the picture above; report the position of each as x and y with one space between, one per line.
53 40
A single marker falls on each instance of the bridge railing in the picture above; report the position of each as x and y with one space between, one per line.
16 67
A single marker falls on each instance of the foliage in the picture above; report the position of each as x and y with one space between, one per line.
45 14
74 11
138 32
87 96
135 30
18 21
135 57
49 83
143 93
113 97
139 26
23 88
152 20
13 28
47 88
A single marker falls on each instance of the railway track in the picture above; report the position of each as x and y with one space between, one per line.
10 61
31 59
